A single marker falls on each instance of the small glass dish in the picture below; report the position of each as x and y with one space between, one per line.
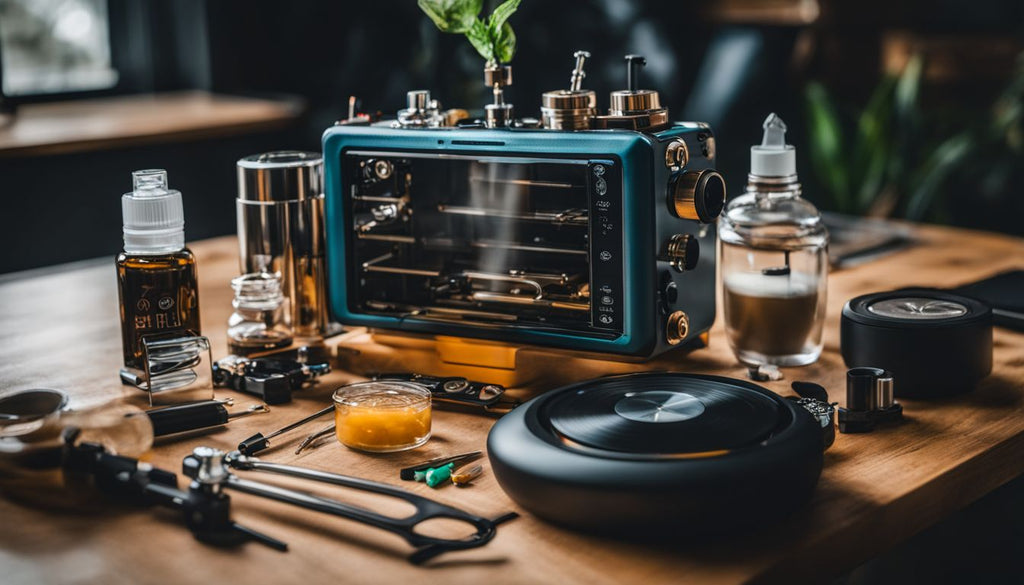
382 417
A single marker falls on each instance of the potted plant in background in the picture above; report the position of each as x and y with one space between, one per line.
892 158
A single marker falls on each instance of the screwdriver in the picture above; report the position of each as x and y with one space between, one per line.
259 441
196 415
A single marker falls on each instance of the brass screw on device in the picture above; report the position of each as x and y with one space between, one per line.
676 155
677 328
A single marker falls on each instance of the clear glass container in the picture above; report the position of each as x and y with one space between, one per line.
494 241
774 267
382 416
258 322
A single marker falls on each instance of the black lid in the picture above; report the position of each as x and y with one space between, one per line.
916 308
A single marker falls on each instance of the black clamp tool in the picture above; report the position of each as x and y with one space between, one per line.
206 507
869 401
272 379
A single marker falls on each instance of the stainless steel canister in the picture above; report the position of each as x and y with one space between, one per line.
281 229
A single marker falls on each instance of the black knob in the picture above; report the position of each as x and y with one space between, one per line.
633 65
697 195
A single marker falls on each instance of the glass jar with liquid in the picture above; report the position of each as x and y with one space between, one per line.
156 274
382 416
258 323
774 261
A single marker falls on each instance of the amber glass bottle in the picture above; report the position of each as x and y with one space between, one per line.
156 273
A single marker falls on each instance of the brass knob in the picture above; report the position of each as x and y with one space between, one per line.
498 75
568 110
697 195
625 102
676 155
683 251
677 327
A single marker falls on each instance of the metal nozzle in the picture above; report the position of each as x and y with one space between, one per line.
576 80
418 100
633 65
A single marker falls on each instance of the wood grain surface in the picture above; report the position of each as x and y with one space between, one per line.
60 329
109 122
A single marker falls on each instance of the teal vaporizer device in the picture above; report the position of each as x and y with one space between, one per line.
581 231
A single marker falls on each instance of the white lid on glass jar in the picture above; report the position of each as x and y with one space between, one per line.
154 219
773 157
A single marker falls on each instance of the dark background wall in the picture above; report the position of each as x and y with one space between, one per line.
709 62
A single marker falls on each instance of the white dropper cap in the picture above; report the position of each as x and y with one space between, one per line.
773 157
154 220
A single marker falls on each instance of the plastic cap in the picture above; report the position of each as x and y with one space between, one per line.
154 220
773 157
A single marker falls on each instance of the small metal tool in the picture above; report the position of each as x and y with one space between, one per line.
409 473
259 441
328 430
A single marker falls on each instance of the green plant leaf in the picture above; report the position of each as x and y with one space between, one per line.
480 37
503 40
907 89
826 142
944 160
452 16
500 16
908 145
873 177
505 44
872 147
492 38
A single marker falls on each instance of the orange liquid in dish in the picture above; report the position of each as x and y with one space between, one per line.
388 421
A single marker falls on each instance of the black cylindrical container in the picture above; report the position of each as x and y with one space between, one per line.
934 342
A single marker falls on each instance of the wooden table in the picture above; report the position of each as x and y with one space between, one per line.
91 124
60 329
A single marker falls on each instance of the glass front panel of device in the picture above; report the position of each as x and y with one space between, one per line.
491 241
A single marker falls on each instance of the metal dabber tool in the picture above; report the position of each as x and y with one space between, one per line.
328 430
259 441
197 415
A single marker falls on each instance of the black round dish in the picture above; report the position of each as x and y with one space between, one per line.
739 454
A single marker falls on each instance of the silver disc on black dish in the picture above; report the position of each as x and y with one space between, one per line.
917 308
663 416
659 406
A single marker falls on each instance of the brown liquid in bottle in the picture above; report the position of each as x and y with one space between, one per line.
770 325
159 296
